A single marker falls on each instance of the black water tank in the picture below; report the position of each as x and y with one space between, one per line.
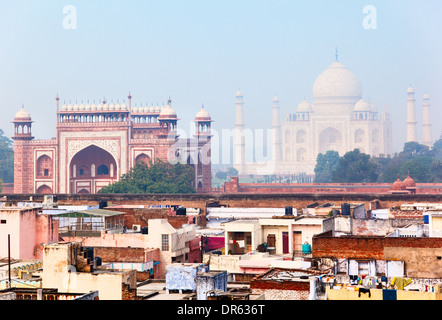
289 211
181 211
102 204
98 261
145 230
345 209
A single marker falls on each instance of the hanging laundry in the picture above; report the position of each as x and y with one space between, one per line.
364 290
400 282
389 294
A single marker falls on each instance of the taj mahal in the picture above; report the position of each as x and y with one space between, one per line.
338 119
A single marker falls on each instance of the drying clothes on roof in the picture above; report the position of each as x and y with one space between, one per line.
400 282
364 290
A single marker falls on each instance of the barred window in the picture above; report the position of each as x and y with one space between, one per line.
164 242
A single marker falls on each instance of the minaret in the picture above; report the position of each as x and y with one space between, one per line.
411 116
57 106
239 150
426 121
276 130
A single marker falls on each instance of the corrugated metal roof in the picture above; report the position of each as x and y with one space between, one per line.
91 213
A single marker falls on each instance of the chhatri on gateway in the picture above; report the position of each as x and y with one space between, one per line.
338 119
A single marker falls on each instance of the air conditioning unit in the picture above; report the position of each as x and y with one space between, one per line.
136 227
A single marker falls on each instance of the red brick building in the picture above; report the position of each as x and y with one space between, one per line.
96 144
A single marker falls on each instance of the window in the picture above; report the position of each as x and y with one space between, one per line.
102 170
164 242
3 221
81 172
46 172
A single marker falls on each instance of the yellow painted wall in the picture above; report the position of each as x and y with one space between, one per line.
376 294
437 223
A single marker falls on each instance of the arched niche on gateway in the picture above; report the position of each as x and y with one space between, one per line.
93 162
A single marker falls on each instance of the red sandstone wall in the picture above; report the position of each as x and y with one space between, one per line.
23 167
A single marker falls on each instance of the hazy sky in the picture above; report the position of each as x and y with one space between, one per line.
201 52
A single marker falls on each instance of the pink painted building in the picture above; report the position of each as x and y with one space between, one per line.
28 230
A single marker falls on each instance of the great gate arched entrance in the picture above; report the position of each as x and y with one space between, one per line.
92 169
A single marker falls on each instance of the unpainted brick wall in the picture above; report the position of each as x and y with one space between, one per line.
369 247
128 293
275 294
116 254
141 216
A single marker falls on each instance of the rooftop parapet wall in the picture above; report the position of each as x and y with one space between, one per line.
296 200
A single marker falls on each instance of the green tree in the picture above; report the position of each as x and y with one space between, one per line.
222 175
325 163
354 167
414 149
158 177
436 170
6 159
232 172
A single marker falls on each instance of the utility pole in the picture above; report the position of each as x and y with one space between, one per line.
202 248
9 260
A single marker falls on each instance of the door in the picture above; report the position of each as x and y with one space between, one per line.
297 241
285 242
271 243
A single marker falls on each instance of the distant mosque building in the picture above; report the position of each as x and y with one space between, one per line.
96 144
338 119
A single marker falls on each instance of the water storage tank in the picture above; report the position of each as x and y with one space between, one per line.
306 248
345 209
181 211
289 211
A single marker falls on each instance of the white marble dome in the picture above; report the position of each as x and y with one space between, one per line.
337 83
304 106
362 106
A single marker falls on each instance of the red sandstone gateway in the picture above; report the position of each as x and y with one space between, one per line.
97 143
